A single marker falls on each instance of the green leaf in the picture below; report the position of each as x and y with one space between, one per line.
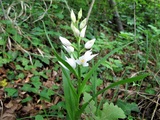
17 37
59 15
36 82
46 93
42 73
39 117
50 92
90 109
70 95
18 67
150 91
45 60
23 60
14 54
29 98
133 79
26 87
34 90
89 74
111 112
38 63
107 65
21 76
2 41
128 107
10 91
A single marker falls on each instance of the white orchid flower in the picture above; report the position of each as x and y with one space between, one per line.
73 17
89 44
85 58
83 31
75 30
83 23
69 49
71 61
65 41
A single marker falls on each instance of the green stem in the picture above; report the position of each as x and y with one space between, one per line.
79 73
79 68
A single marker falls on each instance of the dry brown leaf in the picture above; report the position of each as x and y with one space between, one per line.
8 116
9 113
9 105
27 109
48 84
2 71
56 100
1 93
28 78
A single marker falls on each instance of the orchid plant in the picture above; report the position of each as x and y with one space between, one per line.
79 34
78 56
76 60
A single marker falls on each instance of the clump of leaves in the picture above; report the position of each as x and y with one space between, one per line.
108 112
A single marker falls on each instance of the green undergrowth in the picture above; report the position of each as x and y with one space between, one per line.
32 72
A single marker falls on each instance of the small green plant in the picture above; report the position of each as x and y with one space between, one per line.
74 64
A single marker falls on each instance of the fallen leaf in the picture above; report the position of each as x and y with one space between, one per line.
9 114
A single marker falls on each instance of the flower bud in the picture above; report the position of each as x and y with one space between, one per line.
75 30
73 17
69 49
65 41
83 23
80 14
89 44
83 31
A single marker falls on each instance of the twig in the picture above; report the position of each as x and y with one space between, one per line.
1 109
140 94
67 5
46 9
155 107
89 11
3 9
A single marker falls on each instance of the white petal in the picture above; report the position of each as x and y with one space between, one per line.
83 23
81 60
89 44
73 17
69 49
85 64
78 62
91 57
65 41
85 58
83 31
75 30
88 55
71 62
